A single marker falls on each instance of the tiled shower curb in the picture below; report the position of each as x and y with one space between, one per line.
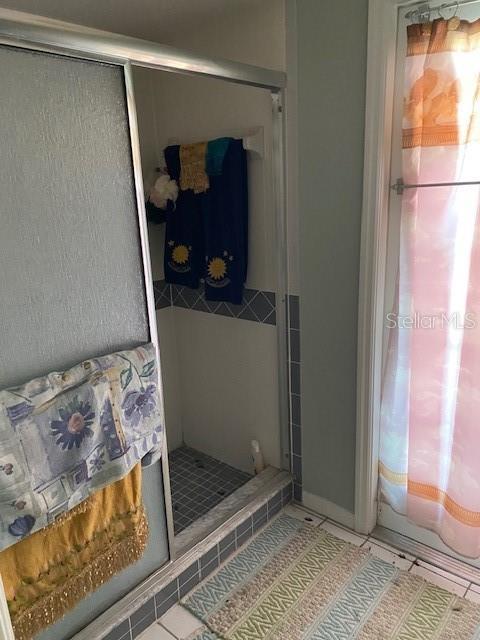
178 583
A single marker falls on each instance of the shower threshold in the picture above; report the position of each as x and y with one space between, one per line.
206 493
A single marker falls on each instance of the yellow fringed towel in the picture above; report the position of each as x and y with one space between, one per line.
48 573
193 172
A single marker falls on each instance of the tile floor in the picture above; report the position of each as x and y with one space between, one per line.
199 483
404 561
178 624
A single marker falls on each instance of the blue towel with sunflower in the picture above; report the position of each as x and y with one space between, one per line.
183 258
206 239
225 227
68 434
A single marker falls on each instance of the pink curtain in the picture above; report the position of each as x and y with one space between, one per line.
430 414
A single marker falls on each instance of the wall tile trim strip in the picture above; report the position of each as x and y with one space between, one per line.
294 366
258 306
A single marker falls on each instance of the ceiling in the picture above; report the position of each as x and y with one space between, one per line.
151 19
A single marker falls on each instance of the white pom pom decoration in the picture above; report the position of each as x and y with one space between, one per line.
162 191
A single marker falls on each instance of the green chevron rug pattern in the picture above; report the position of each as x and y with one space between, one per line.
294 581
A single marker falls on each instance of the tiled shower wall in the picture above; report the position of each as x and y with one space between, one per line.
258 306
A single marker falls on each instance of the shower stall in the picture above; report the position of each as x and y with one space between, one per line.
223 366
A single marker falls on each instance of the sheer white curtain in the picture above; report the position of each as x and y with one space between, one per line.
430 416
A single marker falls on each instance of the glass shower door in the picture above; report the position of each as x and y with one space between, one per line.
72 284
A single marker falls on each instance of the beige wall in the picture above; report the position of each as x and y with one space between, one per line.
332 44
227 372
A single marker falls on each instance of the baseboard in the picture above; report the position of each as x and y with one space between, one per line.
324 507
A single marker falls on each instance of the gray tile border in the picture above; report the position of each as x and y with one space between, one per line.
167 604
287 495
147 609
187 575
244 531
258 524
143 624
261 306
207 569
224 309
189 585
201 305
181 303
207 558
163 294
274 505
270 297
245 526
294 345
294 311
227 541
294 364
297 468
271 318
212 306
247 314
170 594
297 492
257 306
295 377
260 514
296 440
244 537
227 551
190 296
120 632
296 410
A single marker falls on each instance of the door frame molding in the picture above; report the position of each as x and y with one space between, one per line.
382 28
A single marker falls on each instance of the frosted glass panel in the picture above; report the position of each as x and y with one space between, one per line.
71 275
71 281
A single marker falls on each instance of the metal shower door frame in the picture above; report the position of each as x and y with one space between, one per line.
37 33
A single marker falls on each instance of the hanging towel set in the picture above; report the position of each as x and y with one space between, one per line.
71 513
206 239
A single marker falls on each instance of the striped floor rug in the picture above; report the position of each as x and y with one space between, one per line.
294 581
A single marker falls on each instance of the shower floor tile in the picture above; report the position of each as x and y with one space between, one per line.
199 482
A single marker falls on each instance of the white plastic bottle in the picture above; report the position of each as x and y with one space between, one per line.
257 457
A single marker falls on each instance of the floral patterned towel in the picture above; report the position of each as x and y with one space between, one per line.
69 434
